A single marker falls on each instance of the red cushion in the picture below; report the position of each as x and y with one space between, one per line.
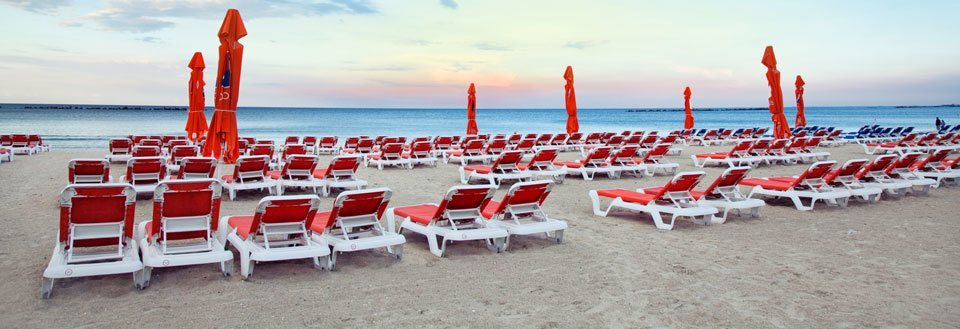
768 184
569 164
715 155
373 157
273 174
422 213
227 178
627 195
454 153
320 221
490 209
242 224
320 173
478 169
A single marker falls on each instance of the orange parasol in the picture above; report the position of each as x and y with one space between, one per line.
781 129
196 121
688 121
570 98
223 125
472 111
801 118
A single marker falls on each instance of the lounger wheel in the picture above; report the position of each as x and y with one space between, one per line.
558 236
46 288
398 252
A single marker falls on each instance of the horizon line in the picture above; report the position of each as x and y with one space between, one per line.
487 108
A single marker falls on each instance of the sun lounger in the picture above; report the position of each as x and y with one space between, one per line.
520 212
655 160
845 177
297 172
391 154
341 173
95 236
121 150
874 174
738 155
146 151
623 159
421 153
144 173
197 168
278 230
89 171
724 194
808 185
506 167
673 198
177 153
595 162
542 165
354 224
250 173
471 151
901 169
457 218
183 230
327 145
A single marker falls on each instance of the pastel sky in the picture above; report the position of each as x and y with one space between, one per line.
424 53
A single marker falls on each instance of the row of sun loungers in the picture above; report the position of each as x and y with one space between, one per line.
764 151
20 144
97 234
915 143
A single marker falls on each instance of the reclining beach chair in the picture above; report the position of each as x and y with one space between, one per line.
21 145
655 160
327 145
935 167
250 173
737 156
391 154
177 154
340 173
595 162
526 146
278 230
520 212
724 194
197 168
36 142
905 142
808 185
184 227
901 169
845 177
297 172
874 174
95 236
421 153
471 151
573 142
808 150
151 142
702 139
121 150
776 153
442 144
458 217
354 224
672 198
89 171
506 167
146 151
623 158
145 173
541 165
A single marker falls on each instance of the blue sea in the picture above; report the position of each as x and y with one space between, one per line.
74 127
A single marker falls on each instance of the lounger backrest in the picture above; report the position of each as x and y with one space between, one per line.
907 139
710 133
728 179
544 139
197 167
777 145
88 171
294 209
6 140
120 146
796 144
813 142
593 138
182 151
97 204
816 171
146 151
848 169
523 198
186 200
597 156
291 140
649 140
684 181
251 168
496 146
670 139
365 145
507 161
615 140
464 201
935 159
473 147
294 149
363 207
514 139
800 134
310 141
342 167
633 140
351 143
146 170
624 154
903 162
443 142
262 150
525 145
657 152
391 151
558 139
328 142
543 159
574 138
299 167
760 144
422 149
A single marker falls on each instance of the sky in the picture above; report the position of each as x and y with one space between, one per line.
424 53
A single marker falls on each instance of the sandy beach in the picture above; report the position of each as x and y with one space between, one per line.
890 264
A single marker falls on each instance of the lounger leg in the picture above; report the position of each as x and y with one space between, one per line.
332 260
595 201
658 220
46 287
434 247
144 277
398 251
558 236
227 267
799 203
246 266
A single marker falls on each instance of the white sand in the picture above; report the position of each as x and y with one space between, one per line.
891 264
